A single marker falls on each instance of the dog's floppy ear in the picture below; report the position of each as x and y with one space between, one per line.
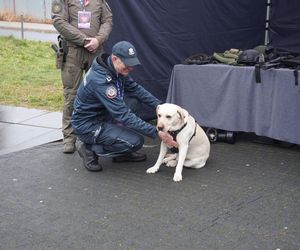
157 108
183 114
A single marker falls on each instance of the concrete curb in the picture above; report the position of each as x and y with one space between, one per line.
39 27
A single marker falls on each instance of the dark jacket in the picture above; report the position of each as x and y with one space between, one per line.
100 98
65 20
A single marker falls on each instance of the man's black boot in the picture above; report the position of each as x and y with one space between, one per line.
90 159
131 157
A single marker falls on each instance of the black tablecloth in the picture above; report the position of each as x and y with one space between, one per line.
228 97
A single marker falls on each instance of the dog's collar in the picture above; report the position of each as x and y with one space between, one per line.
175 133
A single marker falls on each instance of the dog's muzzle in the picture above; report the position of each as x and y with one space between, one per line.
160 128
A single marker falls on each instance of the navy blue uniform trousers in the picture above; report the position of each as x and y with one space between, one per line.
111 140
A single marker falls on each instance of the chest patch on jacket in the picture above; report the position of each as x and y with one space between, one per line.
111 92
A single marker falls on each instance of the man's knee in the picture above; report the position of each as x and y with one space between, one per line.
126 142
137 142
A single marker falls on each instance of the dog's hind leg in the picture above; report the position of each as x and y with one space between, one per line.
192 163
171 163
169 157
170 160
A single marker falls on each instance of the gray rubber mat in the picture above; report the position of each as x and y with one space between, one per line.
22 128
246 197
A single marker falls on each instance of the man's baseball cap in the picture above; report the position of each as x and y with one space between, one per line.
126 52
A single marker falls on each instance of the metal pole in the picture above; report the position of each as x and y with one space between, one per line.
267 22
45 10
14 4
22 27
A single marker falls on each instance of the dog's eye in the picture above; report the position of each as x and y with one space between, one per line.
168 116
158 115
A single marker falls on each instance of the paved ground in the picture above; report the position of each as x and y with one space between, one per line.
247 197
22 128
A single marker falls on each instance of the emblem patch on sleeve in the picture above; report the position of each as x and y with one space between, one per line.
56 7
111 92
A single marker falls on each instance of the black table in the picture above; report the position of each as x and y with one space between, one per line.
228 98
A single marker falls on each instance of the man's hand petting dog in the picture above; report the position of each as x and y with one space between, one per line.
167 139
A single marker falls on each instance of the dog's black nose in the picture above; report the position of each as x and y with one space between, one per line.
160 128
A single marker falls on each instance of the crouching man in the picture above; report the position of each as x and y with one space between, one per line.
103 117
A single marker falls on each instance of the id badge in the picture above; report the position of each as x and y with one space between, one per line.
84 19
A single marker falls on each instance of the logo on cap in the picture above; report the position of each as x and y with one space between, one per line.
131 51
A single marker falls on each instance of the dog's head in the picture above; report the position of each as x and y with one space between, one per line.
170 117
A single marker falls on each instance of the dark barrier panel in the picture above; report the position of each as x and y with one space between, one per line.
285 24
166 32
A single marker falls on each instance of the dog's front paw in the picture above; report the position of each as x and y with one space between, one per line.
152 170
177 177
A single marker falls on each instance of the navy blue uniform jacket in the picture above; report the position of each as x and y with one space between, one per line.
100 98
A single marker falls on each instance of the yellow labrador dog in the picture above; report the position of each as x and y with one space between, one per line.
193 144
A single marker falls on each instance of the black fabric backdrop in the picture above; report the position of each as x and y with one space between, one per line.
285 24
166 32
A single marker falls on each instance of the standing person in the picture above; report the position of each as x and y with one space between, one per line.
103 116
83 25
